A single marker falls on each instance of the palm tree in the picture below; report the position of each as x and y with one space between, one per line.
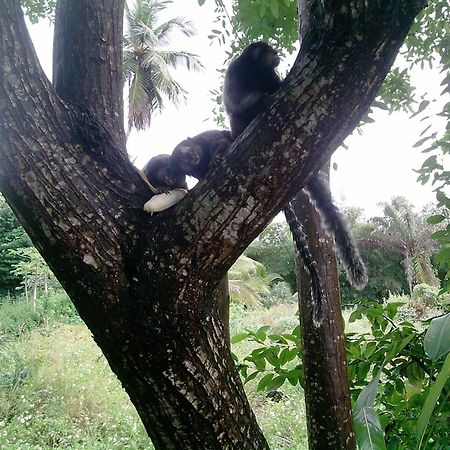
147 60
408 232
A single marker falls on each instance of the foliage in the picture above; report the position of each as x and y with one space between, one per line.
32 268
407 231
248 279
393 352
57 391
429 43
275 251
17 317
386 276
12 237
148 60
39 9
280 293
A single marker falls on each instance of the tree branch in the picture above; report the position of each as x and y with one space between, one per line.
87 59
331 85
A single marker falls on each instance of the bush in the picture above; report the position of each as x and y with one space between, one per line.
279 294
425 293
18 317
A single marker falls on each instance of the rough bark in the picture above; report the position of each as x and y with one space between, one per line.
143 284
222 298
327 395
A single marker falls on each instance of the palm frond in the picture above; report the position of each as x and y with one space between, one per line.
177 24
181 58
141 100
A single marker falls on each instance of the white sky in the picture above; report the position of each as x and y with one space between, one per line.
376 166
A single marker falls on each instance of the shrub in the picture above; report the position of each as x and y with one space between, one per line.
279 294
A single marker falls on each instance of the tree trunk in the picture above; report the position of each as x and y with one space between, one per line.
45 284
222 294
327 395
35 282
25 284
144 284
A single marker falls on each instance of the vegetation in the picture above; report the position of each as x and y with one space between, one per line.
394 339
148 60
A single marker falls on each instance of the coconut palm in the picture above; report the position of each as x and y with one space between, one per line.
408 232
148 60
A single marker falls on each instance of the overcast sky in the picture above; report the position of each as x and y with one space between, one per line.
376 166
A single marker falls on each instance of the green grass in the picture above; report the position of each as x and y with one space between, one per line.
58 392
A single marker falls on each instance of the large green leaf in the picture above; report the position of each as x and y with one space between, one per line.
369 434
368 430
437 339
431 400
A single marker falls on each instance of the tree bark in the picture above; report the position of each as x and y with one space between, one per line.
327 395
222 299
144 284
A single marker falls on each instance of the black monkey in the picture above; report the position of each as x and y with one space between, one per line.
194 156
161 174
249 79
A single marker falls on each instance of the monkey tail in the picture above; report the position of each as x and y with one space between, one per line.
302 250
336 224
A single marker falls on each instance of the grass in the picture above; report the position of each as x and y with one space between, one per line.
58 392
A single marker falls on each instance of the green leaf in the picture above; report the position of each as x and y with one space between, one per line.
262 332
293 376
239 337
251 376
437 218
431 400
276 383
201 2
264 381
368 431
437 338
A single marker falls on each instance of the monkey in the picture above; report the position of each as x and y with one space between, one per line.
162 176
249 80
194 156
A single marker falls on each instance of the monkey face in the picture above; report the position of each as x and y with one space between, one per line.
263 55
166 176
187 156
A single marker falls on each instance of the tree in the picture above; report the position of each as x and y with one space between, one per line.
142 283
147 61
32 269
12 237
274 249
405 230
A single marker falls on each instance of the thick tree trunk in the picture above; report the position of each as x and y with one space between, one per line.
327 395
144 284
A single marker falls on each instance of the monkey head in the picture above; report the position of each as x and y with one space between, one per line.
261 55
161 173
187 155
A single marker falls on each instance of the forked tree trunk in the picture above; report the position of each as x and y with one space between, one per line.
327 395
144 284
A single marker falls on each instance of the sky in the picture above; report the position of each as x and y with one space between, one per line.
375 167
